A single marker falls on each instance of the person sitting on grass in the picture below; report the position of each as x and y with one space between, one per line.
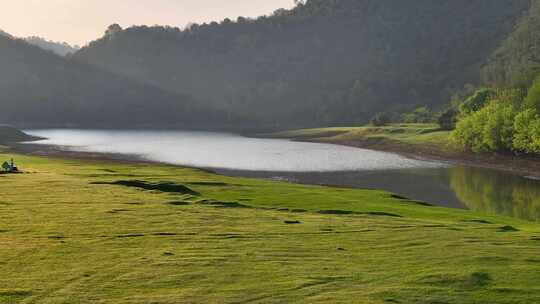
10 167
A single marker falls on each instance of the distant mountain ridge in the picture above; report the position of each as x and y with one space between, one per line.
40 88
59 48
2 33
321 63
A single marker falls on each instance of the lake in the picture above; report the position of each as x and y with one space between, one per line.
482 190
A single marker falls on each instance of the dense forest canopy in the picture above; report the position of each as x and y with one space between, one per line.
504 116
39 88
323 62
517 61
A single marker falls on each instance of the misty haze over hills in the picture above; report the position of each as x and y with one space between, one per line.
321 63
59 48
2 33
40 88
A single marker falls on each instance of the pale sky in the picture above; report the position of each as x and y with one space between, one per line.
81 21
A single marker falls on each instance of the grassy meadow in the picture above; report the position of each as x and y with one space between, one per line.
413 135
77 231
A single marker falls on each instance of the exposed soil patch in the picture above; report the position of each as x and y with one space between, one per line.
15 293
130 236
345 212
216 184
479 222
178 203
382 214
336 212
507 229
118 211
473 281
408 200
223 204
56 237
168 187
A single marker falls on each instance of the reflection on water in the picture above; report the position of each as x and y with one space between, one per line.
484 191
422 184
493 192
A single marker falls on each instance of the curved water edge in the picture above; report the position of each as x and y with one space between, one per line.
228 151
483 190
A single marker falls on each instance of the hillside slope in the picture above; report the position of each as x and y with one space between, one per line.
39 88
5 34
517 61
322 62
59 48
10 135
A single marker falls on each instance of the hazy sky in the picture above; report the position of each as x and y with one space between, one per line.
80 21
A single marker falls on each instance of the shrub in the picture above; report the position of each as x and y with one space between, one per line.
502 120
468 132
447 119
419 115
532 101
381 119
498 131
488 129
477 101
527 132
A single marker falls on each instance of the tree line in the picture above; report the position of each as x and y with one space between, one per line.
320 63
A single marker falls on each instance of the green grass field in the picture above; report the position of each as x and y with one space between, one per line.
99 232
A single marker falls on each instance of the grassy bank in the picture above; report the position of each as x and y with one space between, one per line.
97 232
419 136
415 140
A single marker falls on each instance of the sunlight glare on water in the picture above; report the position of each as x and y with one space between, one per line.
228 151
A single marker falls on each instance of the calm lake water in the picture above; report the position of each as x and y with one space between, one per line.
482 190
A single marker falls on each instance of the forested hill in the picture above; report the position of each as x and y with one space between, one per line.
39 88
517 61
323 62
59 48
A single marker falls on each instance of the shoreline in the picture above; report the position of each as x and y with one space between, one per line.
439 195
57 153
528 167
